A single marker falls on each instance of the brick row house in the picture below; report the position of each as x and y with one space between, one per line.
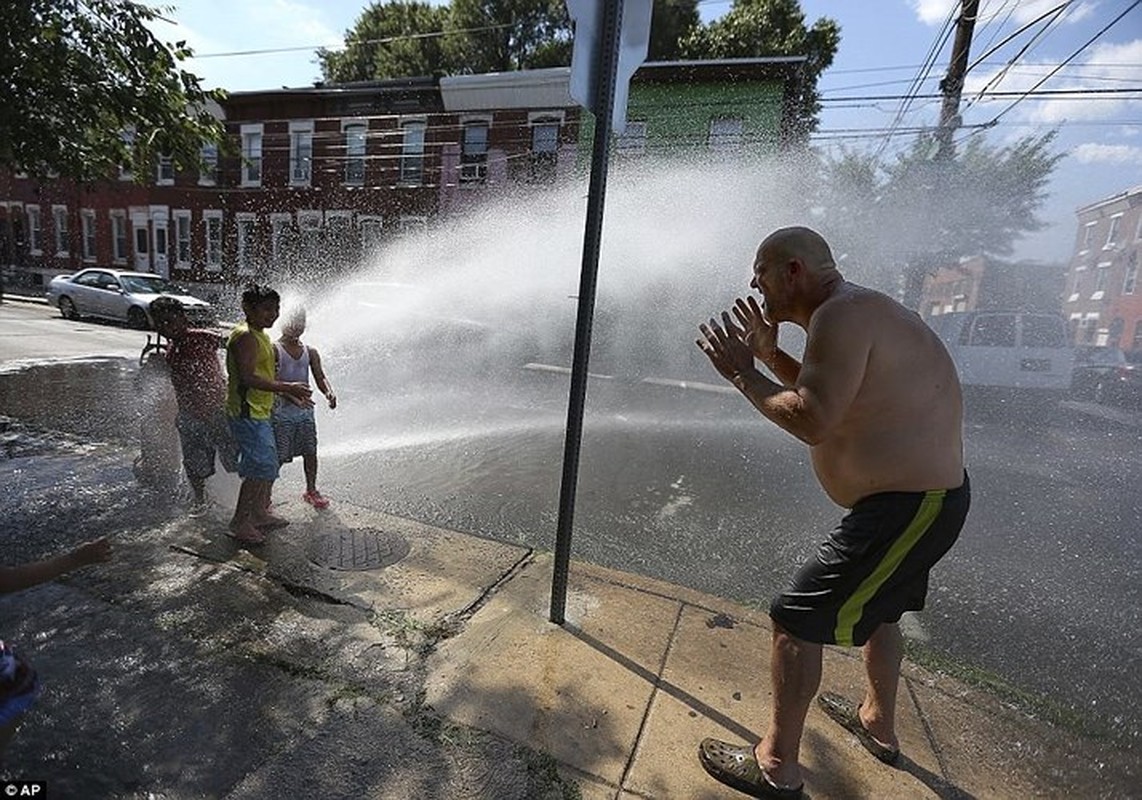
322 174
1102 298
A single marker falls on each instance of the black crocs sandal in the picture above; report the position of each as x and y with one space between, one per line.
737 767
847 716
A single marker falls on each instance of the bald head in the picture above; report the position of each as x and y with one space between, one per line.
802 244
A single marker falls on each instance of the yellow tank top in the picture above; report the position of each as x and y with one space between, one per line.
243 401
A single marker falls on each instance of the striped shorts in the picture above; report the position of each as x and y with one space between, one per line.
295 434
873 567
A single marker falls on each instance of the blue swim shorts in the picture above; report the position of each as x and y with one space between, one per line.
257 454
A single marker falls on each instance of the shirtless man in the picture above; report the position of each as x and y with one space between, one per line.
878 401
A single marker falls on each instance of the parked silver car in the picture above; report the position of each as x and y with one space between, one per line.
123 296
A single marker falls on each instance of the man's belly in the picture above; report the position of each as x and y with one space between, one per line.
848 476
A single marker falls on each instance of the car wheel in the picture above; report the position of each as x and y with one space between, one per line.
67 308
137 318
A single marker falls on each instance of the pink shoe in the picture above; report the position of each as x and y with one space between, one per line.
315 499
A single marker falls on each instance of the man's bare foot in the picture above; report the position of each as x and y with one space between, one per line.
269 521
246 534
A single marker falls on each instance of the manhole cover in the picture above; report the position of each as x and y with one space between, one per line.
357 549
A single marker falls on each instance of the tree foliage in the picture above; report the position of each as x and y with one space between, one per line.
758 28
76 74
918 212
518 34
399 38
672 22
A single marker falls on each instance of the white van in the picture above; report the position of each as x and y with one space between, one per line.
1022 352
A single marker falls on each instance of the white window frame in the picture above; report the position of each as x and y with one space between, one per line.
1088 236
164 164
244 224
89 233
632 141
416 223
309 219
208 216
1130 279
412 156
1112 232
63 246
543 119
474 165
344 214
251 155
1138 232
278 222
370 228
301 152
35 229
119 238
183 224
358 160
722 141
208 173
1101 274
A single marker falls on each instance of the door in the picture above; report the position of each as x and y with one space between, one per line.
160 224
142 239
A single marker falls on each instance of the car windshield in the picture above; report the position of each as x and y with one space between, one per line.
147 284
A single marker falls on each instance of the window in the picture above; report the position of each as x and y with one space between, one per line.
1137 345
300 152
544 151
212 229
370 229
1043 331
245 234
87 220
1076 287
412 153
59 219
1131 279
310 249
252 155
208 176
1088 236
1088 328
1100 276
474 153
35 230
1112 234
164 175
119 237
182 237
993 330
725 134
355 153
413 225
280 225
632 141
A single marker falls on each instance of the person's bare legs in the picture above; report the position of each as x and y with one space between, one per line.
261 516
795 667
309 461
882 655
250 497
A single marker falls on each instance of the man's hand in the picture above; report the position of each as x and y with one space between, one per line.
92 552
724 346
759 335
298 393
332 398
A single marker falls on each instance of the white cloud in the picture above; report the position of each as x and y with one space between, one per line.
1094 153
1107 66
934 12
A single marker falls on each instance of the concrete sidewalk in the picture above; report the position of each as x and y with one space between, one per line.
188 667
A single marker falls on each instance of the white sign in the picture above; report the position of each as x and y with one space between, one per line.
634 39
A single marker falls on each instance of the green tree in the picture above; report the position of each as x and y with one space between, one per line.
75 75
505 35
918 212
757 28
672 22
395 39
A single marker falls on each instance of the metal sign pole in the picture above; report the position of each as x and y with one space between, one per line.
607 59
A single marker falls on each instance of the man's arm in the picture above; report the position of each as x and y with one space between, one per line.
24 576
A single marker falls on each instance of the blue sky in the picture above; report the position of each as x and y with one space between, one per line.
884 46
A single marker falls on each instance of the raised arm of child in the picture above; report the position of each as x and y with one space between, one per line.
25 576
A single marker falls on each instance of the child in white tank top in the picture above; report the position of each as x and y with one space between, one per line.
295 431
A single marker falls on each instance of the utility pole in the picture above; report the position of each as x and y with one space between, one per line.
952 85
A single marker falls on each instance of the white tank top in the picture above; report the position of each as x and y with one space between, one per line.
290 369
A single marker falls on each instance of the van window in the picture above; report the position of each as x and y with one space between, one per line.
1041 331
992 330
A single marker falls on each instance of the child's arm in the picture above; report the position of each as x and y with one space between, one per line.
320 379
24 576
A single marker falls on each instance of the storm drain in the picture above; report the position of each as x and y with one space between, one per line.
357 549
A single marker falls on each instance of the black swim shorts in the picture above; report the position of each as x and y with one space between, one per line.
873 567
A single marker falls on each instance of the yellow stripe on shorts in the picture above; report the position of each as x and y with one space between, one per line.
851 611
